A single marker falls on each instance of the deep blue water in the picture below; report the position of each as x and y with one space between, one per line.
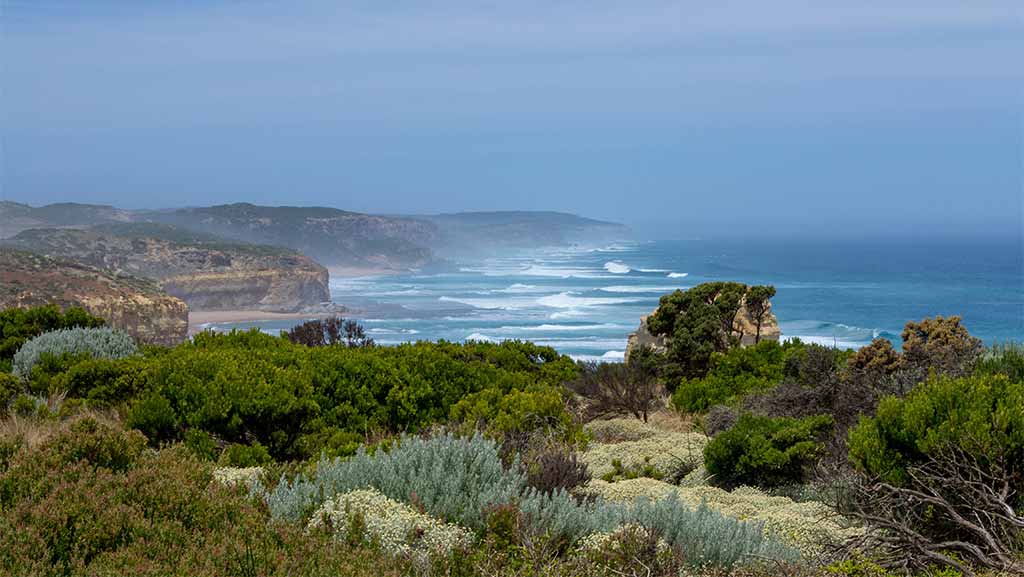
585 300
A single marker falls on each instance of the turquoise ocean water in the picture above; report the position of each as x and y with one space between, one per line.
584 300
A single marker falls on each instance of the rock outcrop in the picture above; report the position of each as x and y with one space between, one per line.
138 306
745 326
207 272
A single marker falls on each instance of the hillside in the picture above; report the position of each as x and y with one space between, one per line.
477 231
329 235
207 272
16 217
136 305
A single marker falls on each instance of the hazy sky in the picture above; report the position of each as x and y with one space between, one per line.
845 117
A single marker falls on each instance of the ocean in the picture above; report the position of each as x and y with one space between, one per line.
585 300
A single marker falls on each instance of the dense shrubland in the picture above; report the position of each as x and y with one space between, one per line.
319 453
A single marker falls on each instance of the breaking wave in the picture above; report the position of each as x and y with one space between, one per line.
616 267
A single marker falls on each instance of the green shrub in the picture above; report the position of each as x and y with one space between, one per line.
201 444
735 373
24 405
98 342
765 451
298 401
9 388
154 416
19 325
253 455
92 501
982 415
1006 359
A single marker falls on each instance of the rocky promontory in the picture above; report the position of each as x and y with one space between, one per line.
744 326
135 305
205 271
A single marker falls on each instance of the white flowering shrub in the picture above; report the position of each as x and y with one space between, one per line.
807 526
395 527
666 452
620 429
99 342
247 476
597 542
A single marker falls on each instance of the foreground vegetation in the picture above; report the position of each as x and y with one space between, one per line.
317 452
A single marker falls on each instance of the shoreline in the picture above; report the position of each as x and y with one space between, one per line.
359 271
198 320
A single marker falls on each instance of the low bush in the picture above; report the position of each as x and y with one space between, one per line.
661 455
10 387
330 331
765 451
297 401
941 469
463 481
737 372
809 526
612 389
1005 359
19 325
89 499
365 515
451 478
244 456
551 466
97 342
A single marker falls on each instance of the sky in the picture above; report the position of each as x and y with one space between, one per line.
681 118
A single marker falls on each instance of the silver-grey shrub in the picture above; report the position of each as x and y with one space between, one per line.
459 479
100 342
455 479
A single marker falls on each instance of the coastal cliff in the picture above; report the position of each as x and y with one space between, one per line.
138 306
744 325
207 272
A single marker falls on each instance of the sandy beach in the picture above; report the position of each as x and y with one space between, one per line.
356 271
197 320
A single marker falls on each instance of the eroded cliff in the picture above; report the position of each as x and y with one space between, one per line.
137 306
206 272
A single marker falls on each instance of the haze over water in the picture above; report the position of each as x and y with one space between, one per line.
584 301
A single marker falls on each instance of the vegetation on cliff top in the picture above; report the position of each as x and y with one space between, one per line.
474 459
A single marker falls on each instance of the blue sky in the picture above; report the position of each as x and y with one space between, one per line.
689 118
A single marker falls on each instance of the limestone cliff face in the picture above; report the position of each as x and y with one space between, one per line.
137 306
206 272
745 326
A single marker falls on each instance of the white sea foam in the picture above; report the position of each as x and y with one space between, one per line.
560 272
827 341
508 303
678 274
481 337
569 300
568 328
616 267
607 357
638 289
653 270
518 288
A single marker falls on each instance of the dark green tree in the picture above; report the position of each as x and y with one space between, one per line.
759 305
698 322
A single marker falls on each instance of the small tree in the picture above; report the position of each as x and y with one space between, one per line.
759 305
329 332
617 389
